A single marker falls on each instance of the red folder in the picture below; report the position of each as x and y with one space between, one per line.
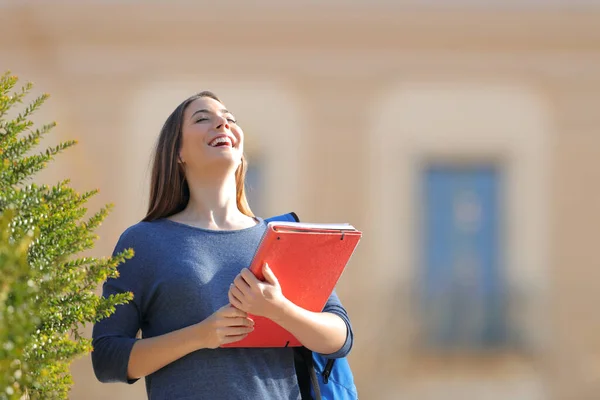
308 260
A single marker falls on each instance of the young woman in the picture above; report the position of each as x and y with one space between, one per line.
192 289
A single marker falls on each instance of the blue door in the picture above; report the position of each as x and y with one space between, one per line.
462 290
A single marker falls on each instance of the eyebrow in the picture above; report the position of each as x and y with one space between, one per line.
224 111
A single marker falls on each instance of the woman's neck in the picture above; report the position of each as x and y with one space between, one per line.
213 204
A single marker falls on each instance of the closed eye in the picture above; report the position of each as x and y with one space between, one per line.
231 121
202 119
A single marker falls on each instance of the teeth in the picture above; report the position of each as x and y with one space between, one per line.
220 140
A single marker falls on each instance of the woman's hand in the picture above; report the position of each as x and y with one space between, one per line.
264 299
322 332
227 325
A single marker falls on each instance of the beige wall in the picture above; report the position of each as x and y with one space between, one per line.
358 100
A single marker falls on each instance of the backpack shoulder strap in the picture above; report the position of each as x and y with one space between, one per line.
307 357
289 217
303 366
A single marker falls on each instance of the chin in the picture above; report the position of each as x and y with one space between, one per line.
226 161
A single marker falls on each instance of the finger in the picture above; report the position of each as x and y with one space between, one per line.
249 277
233 339
237 330
240 322
229 311
269 275
235 302
241 283
233 289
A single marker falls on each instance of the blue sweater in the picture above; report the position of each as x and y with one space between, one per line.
179 276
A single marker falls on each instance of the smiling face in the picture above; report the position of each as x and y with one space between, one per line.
210 136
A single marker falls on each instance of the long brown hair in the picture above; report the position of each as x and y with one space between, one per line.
169 190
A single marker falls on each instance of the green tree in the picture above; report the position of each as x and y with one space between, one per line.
47 292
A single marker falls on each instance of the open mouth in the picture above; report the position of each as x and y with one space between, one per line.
221 141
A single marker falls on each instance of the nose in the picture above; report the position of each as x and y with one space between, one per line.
222 123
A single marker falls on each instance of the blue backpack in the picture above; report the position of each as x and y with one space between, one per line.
320 378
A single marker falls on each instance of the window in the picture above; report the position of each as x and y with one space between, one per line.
461 287
255 187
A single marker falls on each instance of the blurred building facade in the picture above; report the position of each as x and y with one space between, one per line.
465 143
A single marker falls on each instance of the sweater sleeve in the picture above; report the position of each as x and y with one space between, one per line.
334 306
114 337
